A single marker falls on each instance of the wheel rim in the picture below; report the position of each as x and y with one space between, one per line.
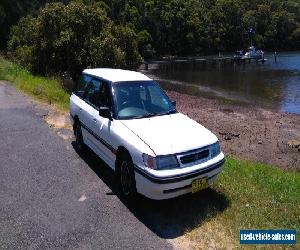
79 140
125 178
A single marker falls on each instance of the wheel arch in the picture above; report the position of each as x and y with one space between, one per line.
121 152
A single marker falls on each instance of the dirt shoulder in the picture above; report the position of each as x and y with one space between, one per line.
247 132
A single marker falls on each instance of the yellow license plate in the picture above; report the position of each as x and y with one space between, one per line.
199 184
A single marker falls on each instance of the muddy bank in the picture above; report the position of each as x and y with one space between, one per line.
247 132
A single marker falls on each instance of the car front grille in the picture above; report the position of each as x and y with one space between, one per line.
194 157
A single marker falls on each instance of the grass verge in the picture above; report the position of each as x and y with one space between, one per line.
41 88
259 197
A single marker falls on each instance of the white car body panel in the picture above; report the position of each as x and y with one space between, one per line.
174 134
171 134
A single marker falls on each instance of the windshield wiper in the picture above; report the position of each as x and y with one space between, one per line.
150 114
172 111
146 115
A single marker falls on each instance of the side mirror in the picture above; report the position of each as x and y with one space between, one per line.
174 103
105 112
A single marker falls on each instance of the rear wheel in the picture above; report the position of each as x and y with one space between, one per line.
79 138
127 178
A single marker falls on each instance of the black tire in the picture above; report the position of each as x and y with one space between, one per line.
79 138
126 178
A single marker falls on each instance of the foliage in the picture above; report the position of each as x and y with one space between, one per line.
12 10
69 38
190 27
71 35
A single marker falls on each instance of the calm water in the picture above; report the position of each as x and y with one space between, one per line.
271 85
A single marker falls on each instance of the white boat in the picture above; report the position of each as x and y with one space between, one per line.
253 53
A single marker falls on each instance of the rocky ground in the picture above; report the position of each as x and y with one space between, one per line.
247 132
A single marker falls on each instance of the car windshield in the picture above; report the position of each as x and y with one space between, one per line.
140 99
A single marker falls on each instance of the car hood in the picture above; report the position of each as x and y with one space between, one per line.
170 134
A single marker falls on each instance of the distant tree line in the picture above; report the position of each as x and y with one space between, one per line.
70 35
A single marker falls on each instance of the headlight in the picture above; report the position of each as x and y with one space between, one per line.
160 162
215 149
167 162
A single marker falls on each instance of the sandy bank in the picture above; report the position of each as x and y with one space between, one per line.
247 132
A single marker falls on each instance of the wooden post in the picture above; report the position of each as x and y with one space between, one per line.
275 56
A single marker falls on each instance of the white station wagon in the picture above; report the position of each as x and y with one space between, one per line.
129 122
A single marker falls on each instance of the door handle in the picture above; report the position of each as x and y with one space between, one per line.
95 120
80 109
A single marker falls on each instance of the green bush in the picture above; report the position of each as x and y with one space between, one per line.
68 38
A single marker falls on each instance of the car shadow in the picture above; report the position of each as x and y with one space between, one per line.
167 218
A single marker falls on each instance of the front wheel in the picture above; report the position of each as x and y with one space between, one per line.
127 179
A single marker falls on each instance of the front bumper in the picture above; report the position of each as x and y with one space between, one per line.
159 188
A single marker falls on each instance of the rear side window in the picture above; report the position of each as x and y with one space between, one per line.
105 95
82 85
92 94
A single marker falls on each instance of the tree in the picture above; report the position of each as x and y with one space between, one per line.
78 33
163 27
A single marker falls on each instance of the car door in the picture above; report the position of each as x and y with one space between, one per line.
88 109
102 126
77 98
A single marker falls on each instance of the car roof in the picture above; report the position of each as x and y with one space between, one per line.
117 75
